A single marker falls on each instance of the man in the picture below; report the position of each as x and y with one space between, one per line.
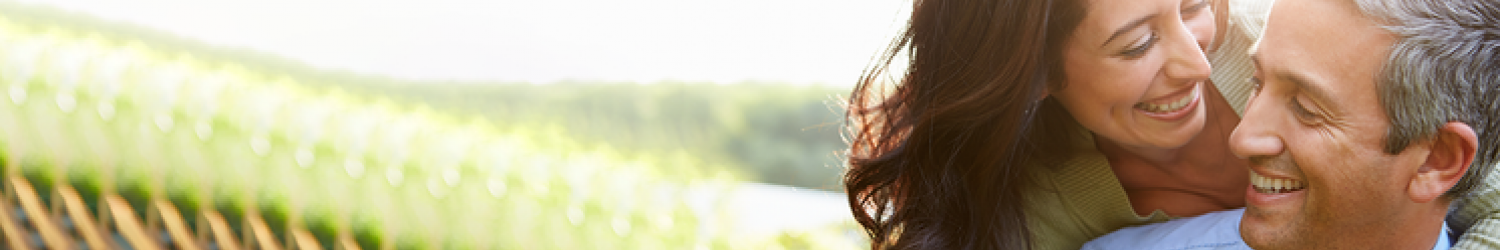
1369 118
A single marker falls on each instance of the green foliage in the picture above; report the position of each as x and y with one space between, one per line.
771 132
778 133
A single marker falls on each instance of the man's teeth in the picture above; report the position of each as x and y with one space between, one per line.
1268 185
1169 107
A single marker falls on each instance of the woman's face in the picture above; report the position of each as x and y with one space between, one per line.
1136 69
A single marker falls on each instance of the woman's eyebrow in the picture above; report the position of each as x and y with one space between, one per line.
1129 26
1196 7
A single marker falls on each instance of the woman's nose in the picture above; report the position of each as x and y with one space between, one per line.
1186 59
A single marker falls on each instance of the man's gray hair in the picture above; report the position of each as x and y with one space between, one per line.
1445 66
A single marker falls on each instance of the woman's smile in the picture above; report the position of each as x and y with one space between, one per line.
1174 107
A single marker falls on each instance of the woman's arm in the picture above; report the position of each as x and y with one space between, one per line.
1476 218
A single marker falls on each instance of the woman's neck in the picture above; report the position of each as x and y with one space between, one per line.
1159 157
1199 177
1210 145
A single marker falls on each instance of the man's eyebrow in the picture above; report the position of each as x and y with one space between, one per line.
1128 26
1301 82
1304 84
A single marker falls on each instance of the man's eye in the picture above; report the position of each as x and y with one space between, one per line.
1303 113
1255 84
1140 50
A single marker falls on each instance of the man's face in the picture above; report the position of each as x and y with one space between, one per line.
1314 131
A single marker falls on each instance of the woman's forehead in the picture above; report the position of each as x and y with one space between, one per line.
1106 17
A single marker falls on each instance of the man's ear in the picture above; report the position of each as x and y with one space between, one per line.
1452 151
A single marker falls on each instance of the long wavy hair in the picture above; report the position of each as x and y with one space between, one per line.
938 161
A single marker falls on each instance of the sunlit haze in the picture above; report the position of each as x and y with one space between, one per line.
793 41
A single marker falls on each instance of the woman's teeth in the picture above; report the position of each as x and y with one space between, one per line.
1169 107
1269 185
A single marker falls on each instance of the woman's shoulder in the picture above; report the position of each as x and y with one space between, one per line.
1075 200
1249 16
1231 60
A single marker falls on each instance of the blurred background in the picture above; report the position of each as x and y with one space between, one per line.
727 112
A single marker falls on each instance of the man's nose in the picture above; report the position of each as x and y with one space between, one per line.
1256 135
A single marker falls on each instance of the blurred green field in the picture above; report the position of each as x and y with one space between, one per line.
772 132
776 133
413 164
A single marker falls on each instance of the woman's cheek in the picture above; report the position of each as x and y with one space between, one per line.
1203 28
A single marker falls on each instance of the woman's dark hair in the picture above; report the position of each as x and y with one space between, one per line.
939 161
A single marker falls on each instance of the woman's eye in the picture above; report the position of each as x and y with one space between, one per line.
1140 49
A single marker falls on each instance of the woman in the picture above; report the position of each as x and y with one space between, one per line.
1040 124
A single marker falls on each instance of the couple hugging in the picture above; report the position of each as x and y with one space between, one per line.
1182 124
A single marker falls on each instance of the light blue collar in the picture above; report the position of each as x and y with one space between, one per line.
1443 243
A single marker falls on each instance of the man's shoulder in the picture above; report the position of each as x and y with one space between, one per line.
1217 230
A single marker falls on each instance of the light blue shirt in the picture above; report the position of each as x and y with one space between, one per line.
1213 231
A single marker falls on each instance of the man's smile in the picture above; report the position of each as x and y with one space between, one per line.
1267 185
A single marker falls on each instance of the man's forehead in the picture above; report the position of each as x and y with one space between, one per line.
1327 39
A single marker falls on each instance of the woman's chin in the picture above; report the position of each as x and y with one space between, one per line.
1152 133
1171 137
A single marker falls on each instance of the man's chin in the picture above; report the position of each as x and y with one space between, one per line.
1263 229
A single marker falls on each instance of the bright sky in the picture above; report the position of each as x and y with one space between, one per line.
797 41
